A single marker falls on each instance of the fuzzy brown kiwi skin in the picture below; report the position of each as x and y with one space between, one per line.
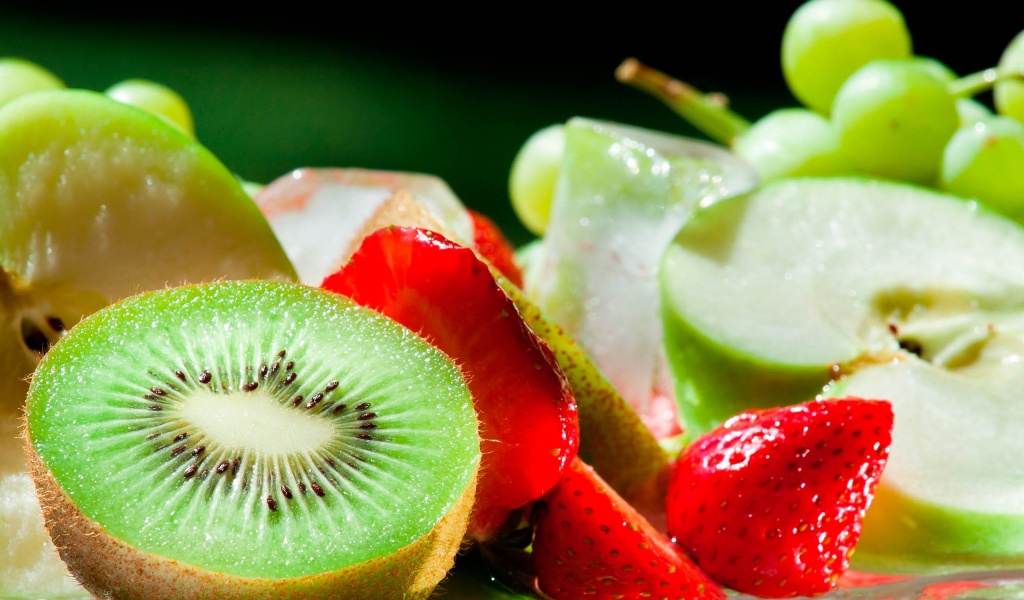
109 568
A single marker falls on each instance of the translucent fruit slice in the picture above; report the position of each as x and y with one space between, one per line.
252 439
101 200
912 296
622 194
528 422
320 214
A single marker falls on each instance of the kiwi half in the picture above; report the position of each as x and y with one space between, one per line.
251 439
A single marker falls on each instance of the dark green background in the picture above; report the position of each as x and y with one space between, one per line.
452 94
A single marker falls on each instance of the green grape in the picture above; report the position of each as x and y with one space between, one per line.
156 98
985 161
825 41
19 77
792 142
531 183
1008 94
971 111
894 118
968 109
936 68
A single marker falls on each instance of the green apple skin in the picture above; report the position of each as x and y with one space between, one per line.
905 535
930 514
713 382
959 508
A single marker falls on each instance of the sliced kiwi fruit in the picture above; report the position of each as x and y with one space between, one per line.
251 439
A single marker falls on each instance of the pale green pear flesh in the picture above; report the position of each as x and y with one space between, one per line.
903 294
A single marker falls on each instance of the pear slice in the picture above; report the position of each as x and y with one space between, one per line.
101 200
901 294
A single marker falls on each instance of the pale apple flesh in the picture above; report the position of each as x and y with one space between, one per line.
897 292
954 490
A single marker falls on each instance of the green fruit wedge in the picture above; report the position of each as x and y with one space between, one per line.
99 201
622 194
894 292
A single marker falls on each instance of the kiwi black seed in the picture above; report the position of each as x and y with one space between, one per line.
251 430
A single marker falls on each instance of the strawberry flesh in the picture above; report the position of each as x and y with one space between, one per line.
492 244
590 543
528 424
772 502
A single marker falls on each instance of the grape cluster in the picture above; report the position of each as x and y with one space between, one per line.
870 107
899 116
19 77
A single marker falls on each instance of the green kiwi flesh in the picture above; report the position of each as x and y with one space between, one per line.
235 439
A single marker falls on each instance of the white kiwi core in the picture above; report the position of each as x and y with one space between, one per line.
255 422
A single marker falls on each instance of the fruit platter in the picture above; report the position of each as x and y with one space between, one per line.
688 355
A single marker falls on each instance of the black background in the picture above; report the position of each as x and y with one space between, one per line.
444 91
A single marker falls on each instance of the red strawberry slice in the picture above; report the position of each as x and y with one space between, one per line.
590 543
492 244
527 413
772 502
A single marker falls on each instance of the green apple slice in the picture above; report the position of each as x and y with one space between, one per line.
903 294
953 491
621 195
99 201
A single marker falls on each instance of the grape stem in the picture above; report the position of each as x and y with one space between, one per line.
982 81
707 112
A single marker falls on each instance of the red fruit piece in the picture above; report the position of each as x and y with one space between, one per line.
590 543
772 502
528 423
492 244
